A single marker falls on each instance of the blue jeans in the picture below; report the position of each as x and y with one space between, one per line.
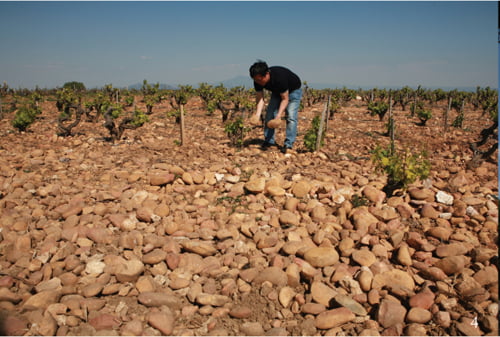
291 117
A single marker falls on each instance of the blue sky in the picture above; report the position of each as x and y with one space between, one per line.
354 44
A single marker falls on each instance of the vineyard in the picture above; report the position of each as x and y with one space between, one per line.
155 212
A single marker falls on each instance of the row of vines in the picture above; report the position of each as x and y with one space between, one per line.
117 109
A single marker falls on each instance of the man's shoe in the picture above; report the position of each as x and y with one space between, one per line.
284 149
265 146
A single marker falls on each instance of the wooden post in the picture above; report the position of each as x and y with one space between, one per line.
391 123
327 115
447 112
322 127
182 123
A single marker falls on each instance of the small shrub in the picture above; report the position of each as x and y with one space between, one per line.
139 118
423 114
378 109
24 117
458 121
311 136
236 131
117 110
402 169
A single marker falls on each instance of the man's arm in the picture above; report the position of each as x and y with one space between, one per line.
283 104
259 99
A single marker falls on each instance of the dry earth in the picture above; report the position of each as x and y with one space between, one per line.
145 237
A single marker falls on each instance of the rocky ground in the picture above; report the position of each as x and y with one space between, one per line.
146 237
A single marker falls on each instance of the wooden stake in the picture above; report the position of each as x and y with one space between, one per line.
182 124
322 127
447 112
391 124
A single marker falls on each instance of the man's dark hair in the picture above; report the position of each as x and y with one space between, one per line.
258 68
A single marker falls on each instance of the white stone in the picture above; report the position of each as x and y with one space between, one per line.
444 198
95 267
446 216
471 211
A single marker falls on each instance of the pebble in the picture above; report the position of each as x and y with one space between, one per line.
163 320
199 247
444 198
393 277
363 257
42 300
313 308
104 321
256 185
452 249
391 313
452 264
415 329
423 299
350 304
286 295
158 299
240 311
301 188
321 256
275 275
418 315
334 318
252 329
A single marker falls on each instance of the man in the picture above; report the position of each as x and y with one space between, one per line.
286 94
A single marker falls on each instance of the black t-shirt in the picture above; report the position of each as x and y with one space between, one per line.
282 79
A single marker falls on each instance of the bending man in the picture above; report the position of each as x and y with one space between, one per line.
286 94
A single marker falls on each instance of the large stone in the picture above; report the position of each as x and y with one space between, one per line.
161 178
452 264
154 257
423 299
418 315
452 249
301 189
289 218
105 321
394 277
444 198
199 247
363 219
275 275
351 304
42 300
129 271
364 257
163 320
391 313
158 299
256 185
321 256
322 293
334 318
486 276
373 194
214 300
